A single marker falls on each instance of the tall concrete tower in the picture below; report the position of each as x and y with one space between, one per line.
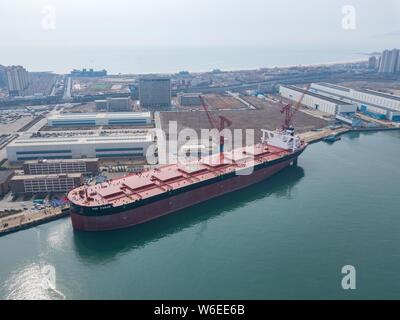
389 61
17 80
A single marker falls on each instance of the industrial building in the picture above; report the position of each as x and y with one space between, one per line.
34 184
317 101
61 166
88 73
373 103
17 80
351 120
101 105
119 104
78 147
114 104
99 119
5 177
155 92
189 99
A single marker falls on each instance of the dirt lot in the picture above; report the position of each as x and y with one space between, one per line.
85 108
15 125
84 86
218 101
260 104
268 118
390 86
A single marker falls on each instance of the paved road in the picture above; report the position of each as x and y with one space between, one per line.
67 92
36 127
161 142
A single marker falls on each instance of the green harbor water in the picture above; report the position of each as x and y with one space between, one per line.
285 238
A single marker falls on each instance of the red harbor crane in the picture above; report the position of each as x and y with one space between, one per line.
290 111
220 124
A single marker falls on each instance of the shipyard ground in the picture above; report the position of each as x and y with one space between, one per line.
216 102
268 118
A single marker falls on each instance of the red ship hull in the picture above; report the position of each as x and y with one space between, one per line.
166 206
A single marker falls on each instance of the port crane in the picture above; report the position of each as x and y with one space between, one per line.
290 112
219 124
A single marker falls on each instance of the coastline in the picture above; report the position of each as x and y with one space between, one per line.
136 60
314 65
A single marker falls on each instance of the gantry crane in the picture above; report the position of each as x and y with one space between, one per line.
219 125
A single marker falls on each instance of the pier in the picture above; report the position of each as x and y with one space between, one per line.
22 221
315 136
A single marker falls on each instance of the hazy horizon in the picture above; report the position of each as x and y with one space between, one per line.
142 60
39 29
197 22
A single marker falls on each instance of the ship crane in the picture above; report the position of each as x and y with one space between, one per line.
219 125
290 112
285 137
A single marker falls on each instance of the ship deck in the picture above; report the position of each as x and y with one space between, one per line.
138 186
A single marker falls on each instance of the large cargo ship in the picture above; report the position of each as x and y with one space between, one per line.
145 196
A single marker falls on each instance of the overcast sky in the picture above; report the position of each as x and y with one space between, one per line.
198 22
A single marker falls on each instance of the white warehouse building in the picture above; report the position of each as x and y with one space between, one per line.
99 119
374 102
128 146
317 101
